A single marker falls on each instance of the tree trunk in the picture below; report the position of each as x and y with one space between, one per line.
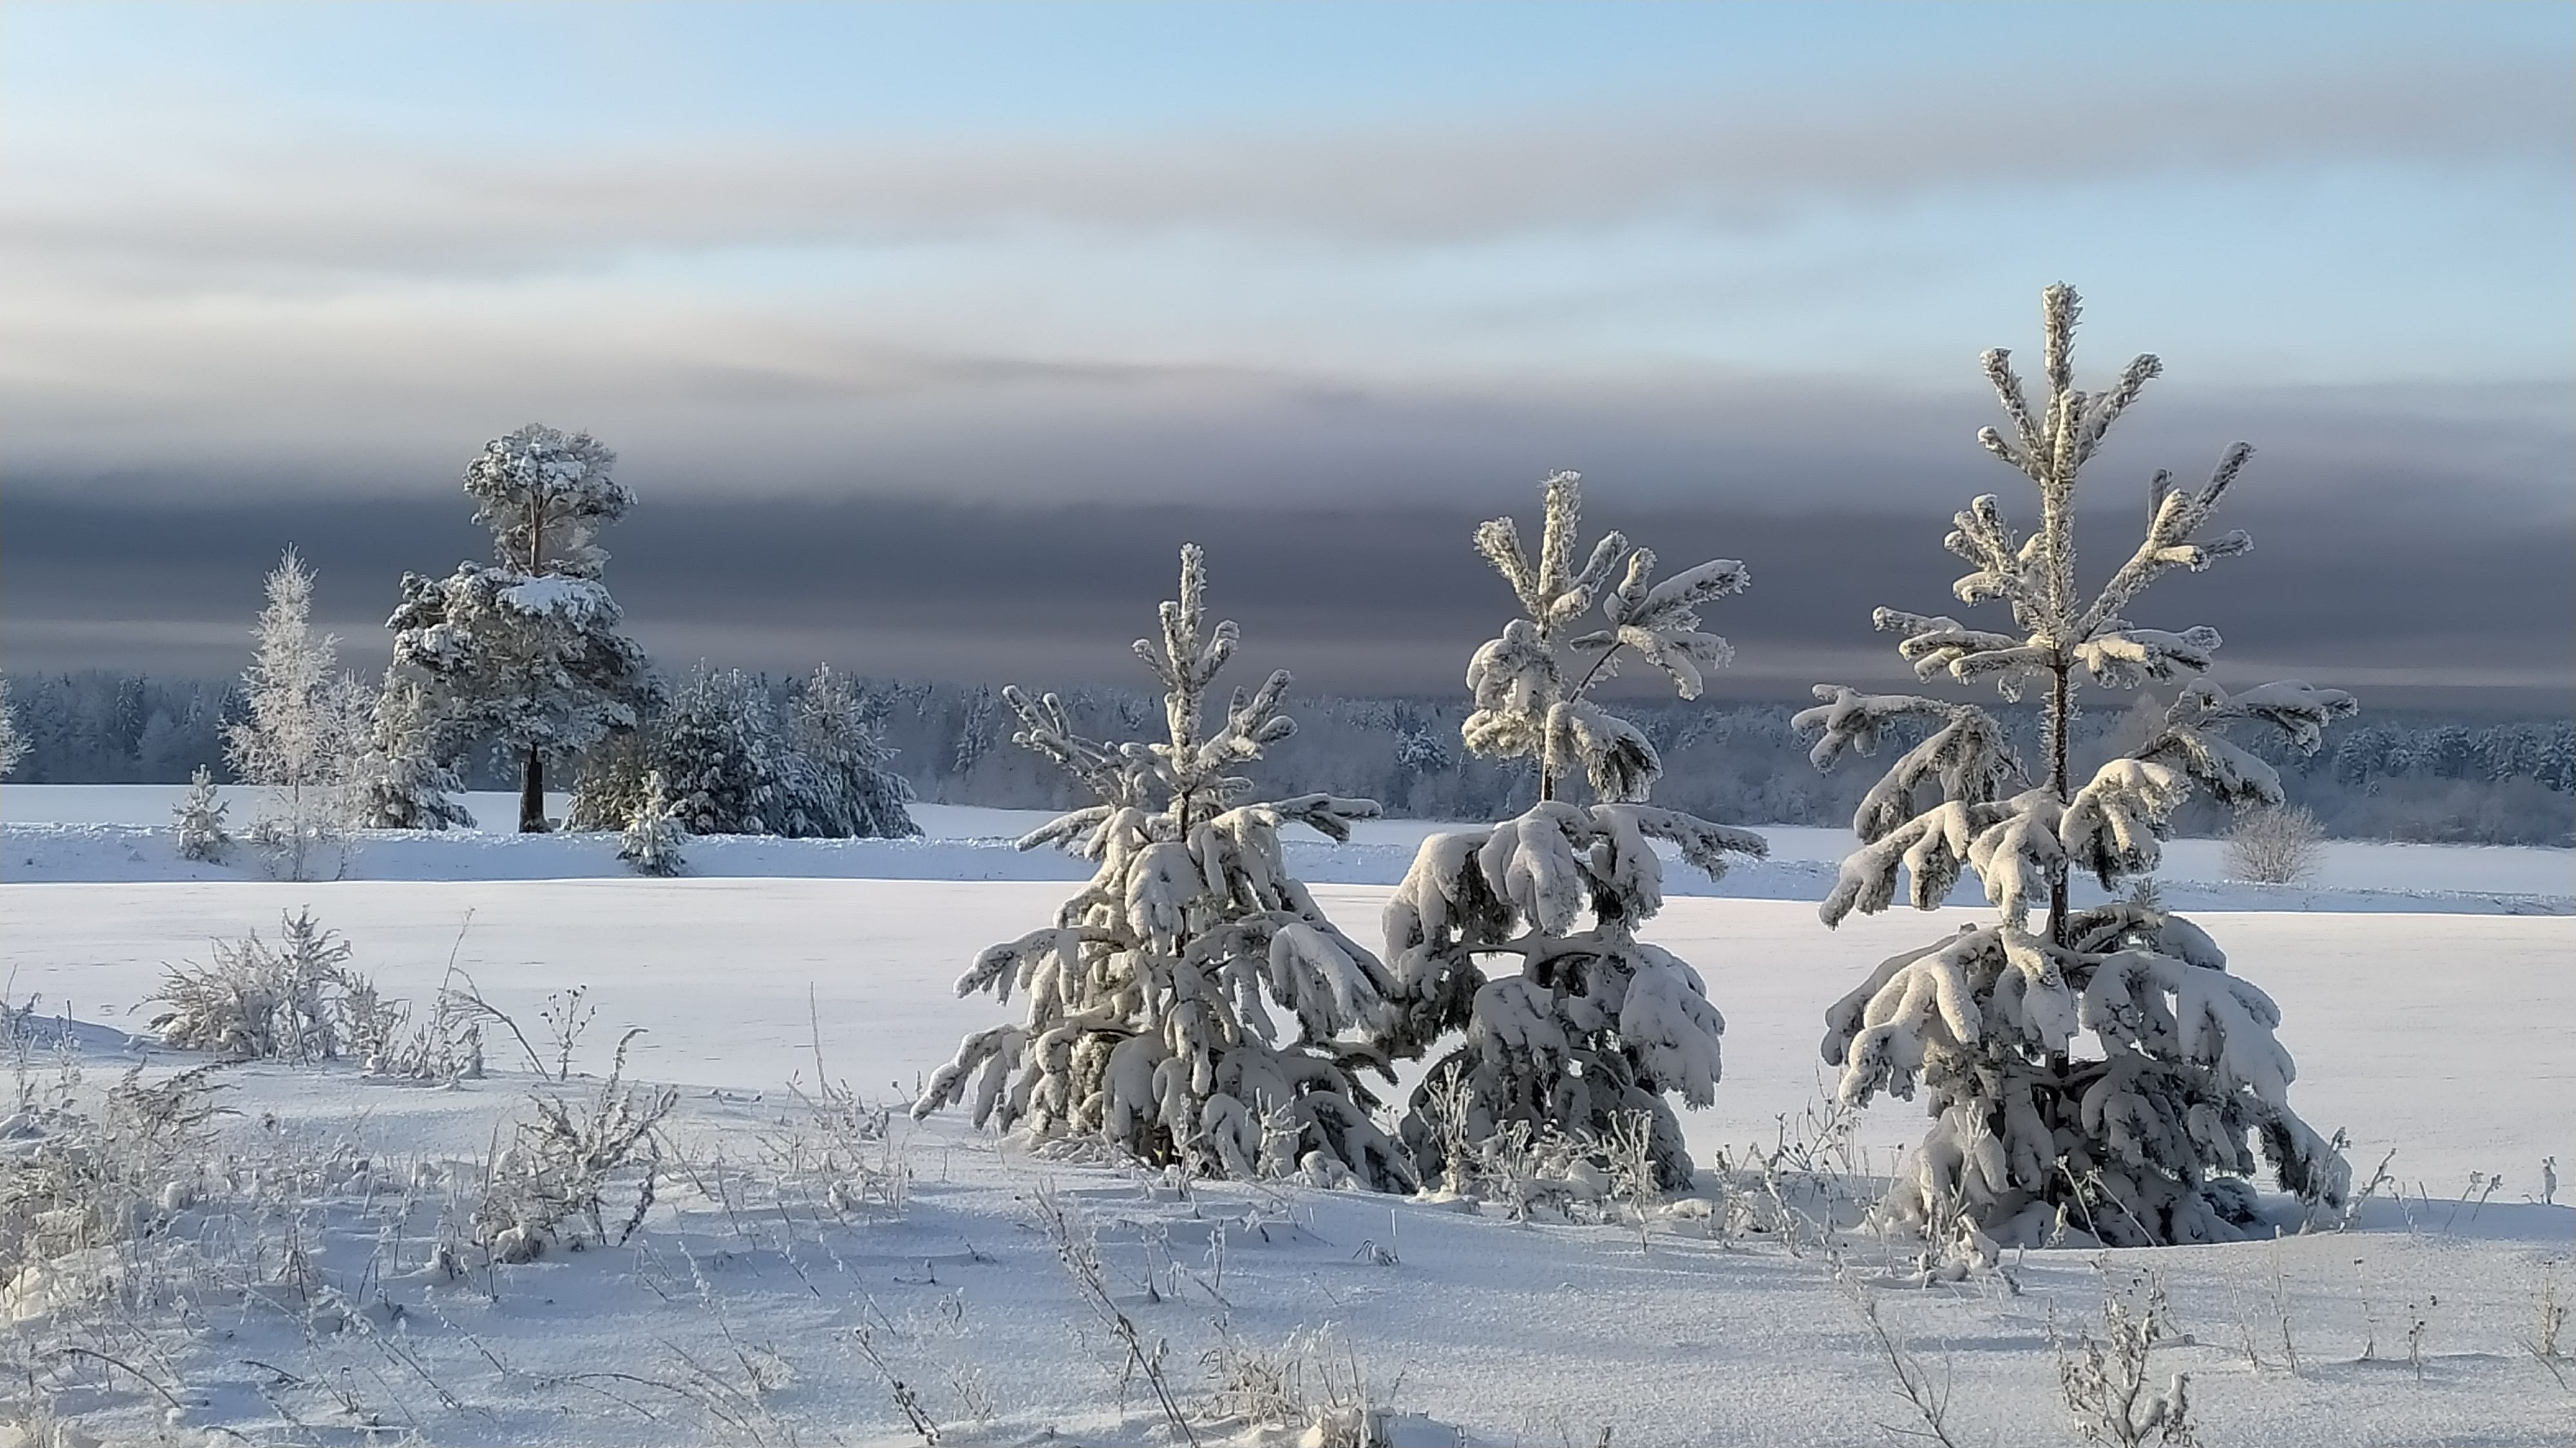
532 795
2057 721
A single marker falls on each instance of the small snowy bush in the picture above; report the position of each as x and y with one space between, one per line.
295 1001
653 832
1589 1027
1150 1026
2279 846
197 822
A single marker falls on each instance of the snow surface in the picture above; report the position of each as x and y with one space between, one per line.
2441 1036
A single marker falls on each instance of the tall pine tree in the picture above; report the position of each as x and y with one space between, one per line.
526 650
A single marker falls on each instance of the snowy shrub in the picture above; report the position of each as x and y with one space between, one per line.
1149 1024
526 650
2146 1140
300 734
2278 846
560 1179
653 833
197 821
13 743
401 780
295 1001
1592 1026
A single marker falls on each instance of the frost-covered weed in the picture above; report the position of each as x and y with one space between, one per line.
1926 1395
2281 846
569 1166
2106 1381
1077 1247
297 1000
71 1182
1311 1384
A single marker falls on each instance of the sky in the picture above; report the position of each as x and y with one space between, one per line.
925 334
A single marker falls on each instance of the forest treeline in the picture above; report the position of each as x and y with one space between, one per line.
2389 775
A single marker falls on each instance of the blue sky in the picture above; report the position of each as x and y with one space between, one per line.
1382 255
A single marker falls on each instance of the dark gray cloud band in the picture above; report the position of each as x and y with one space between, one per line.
1353 600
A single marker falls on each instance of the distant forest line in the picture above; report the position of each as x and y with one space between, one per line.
2398 775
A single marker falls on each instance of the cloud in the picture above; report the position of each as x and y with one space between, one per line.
1351 598
241 208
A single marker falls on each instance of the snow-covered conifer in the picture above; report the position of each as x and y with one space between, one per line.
1150 1022
526 649
654 832
197 822
839 786
402 781
13 744
2144 1140
720 756
1591 1027
300 737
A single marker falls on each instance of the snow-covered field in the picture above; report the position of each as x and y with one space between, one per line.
99 833
741 1309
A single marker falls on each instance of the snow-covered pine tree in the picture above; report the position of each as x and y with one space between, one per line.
720 756
526 650
402 781
839 785
2144 1141
299 738
197 822
653 832
13 743
1592 1027
1149 1026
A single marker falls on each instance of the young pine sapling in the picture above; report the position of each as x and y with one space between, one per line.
2144 1140
1591 1027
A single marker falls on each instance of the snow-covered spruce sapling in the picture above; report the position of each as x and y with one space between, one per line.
1149 1025
197 821
299 738
526 649
402 779
654 832
1591 1027
840 783
720 756
2144 1141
